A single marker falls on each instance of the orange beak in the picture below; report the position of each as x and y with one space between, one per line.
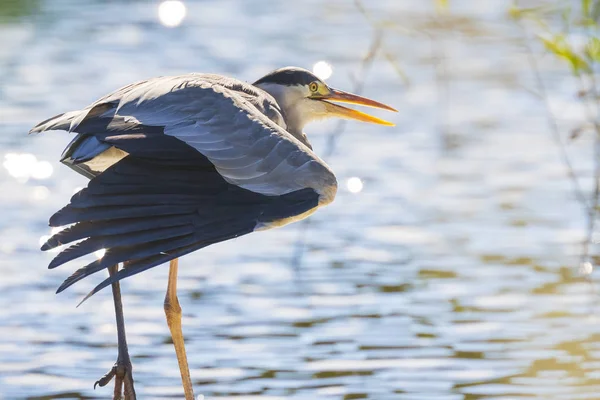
344 112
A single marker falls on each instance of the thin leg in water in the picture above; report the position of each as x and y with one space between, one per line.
122 370
173 313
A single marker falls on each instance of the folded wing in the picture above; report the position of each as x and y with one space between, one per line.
233 124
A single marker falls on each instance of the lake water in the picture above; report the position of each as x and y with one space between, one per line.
452 274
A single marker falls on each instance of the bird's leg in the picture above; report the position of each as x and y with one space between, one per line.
173 313
122 370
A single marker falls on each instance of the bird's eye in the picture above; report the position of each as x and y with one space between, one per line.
313 86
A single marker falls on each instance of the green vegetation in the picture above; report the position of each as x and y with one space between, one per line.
571 32
575 19
13 9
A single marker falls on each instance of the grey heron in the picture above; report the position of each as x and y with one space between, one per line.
178 163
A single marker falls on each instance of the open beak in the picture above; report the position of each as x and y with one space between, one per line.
344 112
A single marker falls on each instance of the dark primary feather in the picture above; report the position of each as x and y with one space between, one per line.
148 212
128 225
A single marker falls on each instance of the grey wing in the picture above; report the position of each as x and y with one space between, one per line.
218 117
197 164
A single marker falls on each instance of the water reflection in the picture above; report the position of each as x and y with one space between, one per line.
451 278
41 170
24 166
171 13
586 268
100 253
354 184
323 70
43 239
40 193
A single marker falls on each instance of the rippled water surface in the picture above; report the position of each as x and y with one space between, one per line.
451 275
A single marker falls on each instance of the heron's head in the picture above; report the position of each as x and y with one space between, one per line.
303 98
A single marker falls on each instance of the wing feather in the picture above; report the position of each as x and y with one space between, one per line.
224 120
198 162
163 219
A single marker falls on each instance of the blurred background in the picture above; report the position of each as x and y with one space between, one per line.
456 263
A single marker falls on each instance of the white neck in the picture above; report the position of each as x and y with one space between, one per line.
297 109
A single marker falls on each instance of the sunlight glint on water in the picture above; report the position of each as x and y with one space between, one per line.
323 70
171 13
354 184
